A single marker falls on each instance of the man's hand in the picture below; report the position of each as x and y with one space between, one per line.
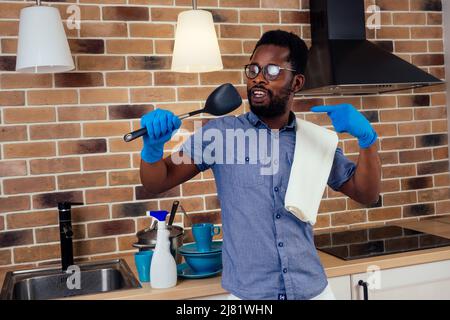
346 118
160 125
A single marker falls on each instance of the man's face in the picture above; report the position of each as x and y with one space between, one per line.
270 99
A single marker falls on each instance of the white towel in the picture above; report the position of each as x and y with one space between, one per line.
315 148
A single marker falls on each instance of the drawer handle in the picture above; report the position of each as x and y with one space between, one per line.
365 286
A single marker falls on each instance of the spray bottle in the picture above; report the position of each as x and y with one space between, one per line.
163 269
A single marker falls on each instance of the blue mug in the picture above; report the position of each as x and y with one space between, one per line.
203 234
143 260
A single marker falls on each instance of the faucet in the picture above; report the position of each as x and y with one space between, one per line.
66 233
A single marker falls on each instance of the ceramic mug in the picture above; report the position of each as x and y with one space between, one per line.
203 234
143 261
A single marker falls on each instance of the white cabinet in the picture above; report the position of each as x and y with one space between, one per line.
341 287
429 281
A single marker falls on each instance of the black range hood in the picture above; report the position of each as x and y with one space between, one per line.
341 60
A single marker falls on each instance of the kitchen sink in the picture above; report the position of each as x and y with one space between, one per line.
52 282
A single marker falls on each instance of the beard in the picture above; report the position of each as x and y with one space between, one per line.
277 106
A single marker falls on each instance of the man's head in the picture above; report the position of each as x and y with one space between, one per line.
280 57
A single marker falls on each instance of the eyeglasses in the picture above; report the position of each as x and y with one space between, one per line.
271 72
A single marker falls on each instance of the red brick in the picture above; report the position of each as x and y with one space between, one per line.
29 115
109 228
89 213
29 150
82 146
104 29
119 161
55 131
43 166
13 133
89 247
109 195
36 253
32 219
105 129
13 168
82 180
28 185
81 113
15 81
52 97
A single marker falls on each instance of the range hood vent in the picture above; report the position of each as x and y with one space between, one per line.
343 62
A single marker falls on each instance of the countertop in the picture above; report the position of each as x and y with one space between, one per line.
334 267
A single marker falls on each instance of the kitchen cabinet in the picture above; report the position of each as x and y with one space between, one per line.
339 285
429 281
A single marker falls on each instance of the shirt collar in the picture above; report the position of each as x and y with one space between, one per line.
255 121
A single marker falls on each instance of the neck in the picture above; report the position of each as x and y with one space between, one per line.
277 122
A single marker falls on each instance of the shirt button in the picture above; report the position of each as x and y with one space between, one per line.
284 270
276 189
280 244
278 216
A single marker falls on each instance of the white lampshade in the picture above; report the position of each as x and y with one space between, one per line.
42 45
196 47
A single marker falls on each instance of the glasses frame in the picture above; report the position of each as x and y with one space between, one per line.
264 70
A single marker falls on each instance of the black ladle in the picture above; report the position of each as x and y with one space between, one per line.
221 101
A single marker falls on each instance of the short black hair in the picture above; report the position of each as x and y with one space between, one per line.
298 50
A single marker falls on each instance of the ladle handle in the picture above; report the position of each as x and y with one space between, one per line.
142 131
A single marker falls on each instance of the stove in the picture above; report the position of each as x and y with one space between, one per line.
358 244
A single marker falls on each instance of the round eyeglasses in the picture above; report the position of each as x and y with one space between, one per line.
271 72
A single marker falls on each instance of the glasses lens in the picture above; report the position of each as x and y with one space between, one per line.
252 71
272 71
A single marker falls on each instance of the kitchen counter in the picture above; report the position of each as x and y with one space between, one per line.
334 267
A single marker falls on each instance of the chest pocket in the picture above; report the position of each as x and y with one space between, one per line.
247 174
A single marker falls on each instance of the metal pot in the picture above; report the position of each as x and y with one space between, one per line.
147 239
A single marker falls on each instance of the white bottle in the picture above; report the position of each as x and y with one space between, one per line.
163 269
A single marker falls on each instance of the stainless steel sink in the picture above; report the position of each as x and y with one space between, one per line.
51 282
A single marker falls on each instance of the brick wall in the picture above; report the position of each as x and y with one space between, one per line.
61 135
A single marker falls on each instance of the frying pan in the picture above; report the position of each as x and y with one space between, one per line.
221 101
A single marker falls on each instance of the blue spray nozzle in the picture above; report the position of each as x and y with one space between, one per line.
160 215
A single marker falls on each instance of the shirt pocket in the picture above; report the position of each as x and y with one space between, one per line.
247 175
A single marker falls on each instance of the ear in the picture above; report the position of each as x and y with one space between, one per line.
298 83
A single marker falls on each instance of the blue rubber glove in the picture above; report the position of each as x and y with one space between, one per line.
160 125
346 118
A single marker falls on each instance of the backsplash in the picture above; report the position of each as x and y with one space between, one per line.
61 135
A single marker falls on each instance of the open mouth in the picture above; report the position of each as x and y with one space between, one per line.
258 95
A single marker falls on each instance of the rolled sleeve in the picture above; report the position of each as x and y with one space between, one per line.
342 170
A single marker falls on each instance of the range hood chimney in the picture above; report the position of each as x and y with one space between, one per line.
341 60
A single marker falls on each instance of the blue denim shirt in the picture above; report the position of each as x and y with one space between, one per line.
267 251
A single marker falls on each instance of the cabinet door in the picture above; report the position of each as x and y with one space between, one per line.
341 287
429 281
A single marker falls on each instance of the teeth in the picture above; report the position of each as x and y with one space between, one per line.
259 93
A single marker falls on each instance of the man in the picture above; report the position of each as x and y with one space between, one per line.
268 253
